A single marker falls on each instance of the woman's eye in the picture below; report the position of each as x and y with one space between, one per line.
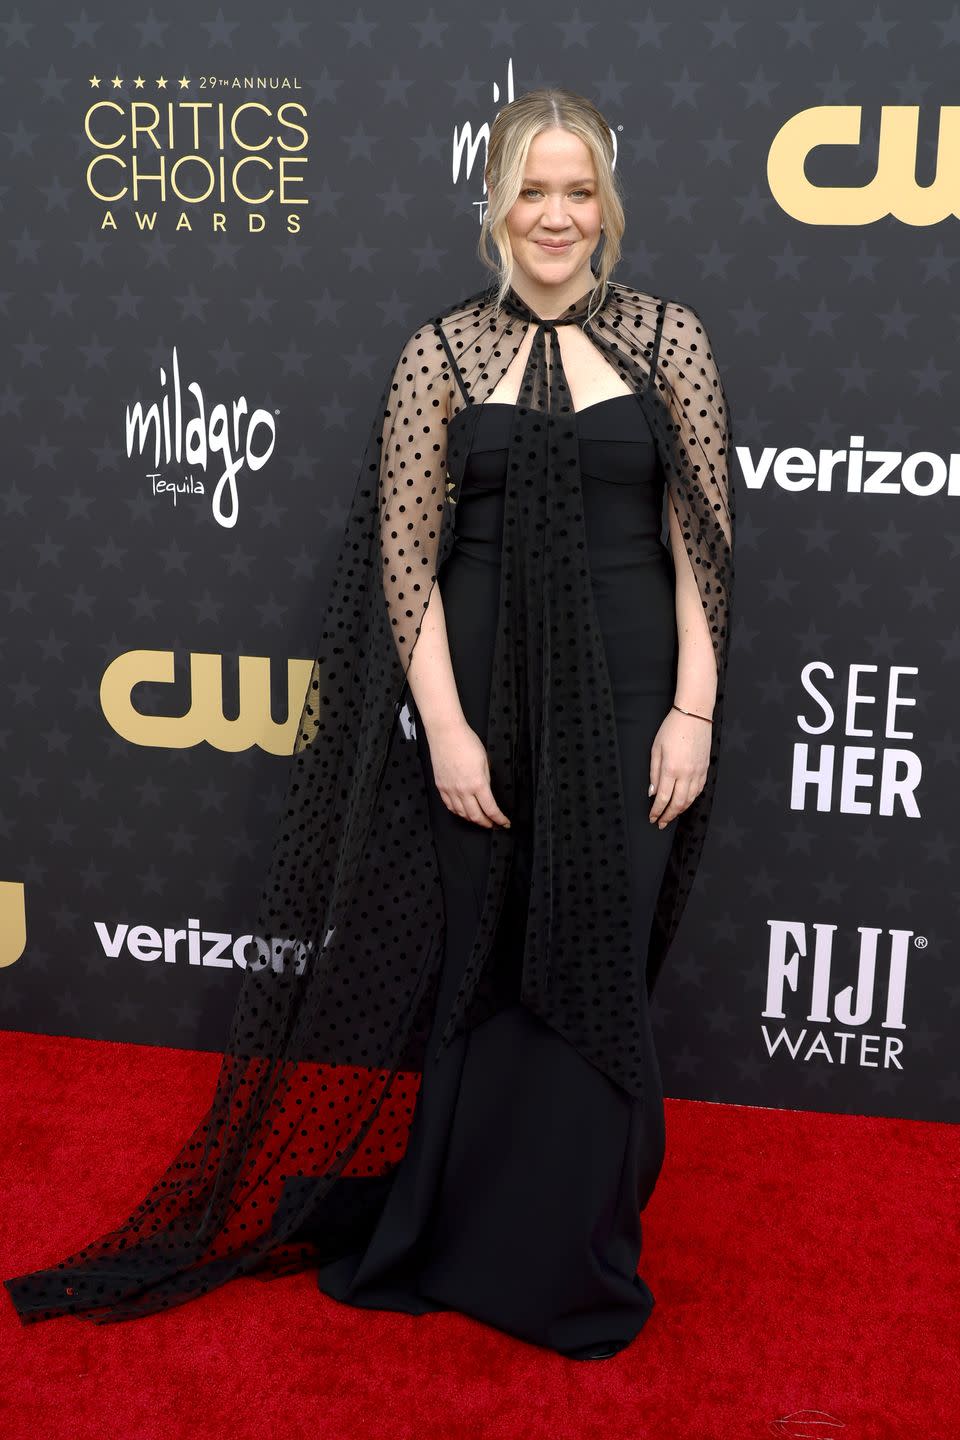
533 191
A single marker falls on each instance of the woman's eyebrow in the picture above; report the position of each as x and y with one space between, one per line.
530 181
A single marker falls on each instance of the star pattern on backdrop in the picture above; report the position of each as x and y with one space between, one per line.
821 334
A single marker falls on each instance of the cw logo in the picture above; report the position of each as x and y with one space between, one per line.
893 188
204 719
13 922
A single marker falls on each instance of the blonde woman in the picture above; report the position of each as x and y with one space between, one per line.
498 798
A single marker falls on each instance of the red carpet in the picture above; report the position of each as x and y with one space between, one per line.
805 1268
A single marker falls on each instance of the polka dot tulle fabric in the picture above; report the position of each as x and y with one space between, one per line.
330 1028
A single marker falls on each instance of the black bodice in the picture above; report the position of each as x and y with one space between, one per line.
621 474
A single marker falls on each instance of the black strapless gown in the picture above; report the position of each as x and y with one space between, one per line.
518 1198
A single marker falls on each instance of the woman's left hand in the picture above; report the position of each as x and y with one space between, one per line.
678 765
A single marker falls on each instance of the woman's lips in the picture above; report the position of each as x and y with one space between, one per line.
565 245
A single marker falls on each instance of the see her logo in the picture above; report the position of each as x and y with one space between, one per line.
839 775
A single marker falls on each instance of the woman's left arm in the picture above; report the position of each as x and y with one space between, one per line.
681 750
697 663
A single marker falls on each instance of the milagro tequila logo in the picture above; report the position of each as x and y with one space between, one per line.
230 436
469 151
860 1023
469 148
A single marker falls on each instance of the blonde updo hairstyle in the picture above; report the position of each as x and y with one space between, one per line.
511 136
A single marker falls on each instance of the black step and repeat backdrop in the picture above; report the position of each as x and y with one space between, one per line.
193 205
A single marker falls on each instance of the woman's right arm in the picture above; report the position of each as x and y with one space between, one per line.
412 498
430 673
461 768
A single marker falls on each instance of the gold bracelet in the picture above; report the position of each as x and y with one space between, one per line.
708 718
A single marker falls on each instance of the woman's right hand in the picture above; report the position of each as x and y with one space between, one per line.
461 771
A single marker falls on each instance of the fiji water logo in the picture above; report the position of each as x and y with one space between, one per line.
860 1023
214 442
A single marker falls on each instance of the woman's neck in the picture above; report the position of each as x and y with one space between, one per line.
550 301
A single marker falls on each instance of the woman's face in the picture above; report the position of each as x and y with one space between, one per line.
554 226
